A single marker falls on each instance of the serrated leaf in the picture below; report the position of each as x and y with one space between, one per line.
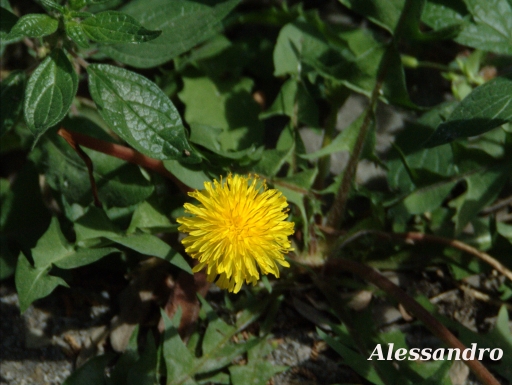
116 27
486 24
147 217
11 100
224 104
209 137
294 99
144 370
139 112
410 164
271 161
344 141
353 59
50 92
486 107
33 283
119 183
178 360
95 224
53 249
193 22
258 370
33 25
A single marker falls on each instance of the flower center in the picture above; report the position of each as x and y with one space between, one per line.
238 227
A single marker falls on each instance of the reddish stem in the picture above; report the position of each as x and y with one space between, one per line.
124 153
90 168
436 327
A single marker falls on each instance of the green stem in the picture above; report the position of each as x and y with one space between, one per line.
335 215
337 98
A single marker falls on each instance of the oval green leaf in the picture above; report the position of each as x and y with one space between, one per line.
50 92
184 24
76 33
486 107
116 27
33 25
139 112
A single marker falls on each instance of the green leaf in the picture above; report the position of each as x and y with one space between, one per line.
356 361
345 140
224 104
153 246
384 13
116 27
209 137
75 31
11 100
183 23
272 161
92 372
387 13
412 165
33 25
294 99
138 111
482 189
119 183
353 58
218 351
258 370
33 283
486 107
95 224
144 370
50 92
191 175
92 225
178 359
422 200
489 27
52 5
54 249
147 217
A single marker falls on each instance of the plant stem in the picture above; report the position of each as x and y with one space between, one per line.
338 96
411 305
124 153
413 236
337 211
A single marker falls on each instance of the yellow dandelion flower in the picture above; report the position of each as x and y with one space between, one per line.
239 226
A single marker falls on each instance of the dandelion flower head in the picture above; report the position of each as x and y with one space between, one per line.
238 230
